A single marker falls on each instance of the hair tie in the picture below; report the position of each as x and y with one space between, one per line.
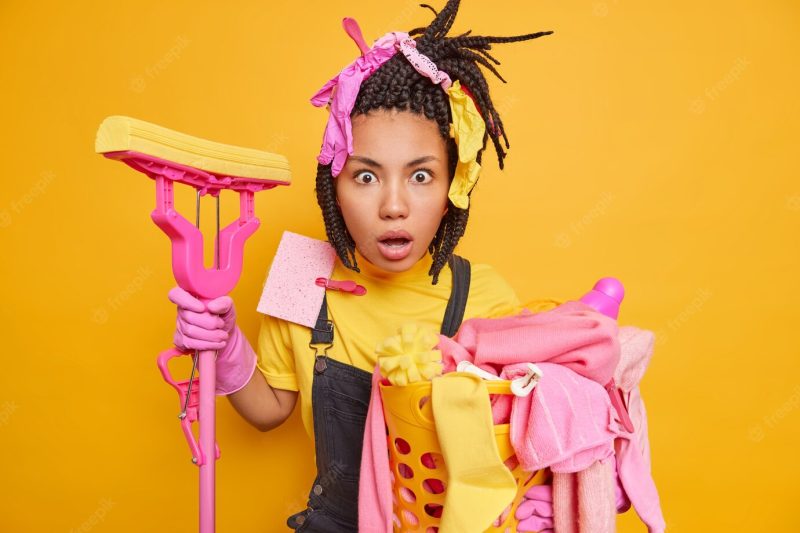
423 64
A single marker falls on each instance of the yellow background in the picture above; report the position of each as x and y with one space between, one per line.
651 141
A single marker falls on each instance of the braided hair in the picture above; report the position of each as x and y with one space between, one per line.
397 85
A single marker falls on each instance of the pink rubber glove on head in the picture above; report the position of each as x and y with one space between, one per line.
213 327
341 93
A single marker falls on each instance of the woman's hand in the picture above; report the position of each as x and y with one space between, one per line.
212 326
535 512
202 326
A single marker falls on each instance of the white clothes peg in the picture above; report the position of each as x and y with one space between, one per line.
523 385
466 366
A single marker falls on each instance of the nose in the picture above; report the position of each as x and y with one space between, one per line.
394 200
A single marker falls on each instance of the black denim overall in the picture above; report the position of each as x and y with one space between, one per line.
339 397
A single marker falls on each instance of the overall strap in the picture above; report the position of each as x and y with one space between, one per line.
323 330
454 313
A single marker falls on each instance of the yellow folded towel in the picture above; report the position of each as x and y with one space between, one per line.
479 485
120 133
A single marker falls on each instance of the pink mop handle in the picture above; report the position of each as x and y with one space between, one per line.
207 419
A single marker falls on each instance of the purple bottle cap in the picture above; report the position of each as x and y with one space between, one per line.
606 297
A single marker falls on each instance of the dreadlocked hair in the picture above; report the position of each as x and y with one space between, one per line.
397 85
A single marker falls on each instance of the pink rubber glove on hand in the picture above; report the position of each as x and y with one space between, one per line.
535 512
213 327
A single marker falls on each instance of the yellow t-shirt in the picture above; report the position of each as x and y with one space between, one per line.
361 322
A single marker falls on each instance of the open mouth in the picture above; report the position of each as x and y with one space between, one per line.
395 243
395 248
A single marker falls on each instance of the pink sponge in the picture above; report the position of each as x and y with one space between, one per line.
290 291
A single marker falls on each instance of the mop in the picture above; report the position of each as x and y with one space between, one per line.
170 157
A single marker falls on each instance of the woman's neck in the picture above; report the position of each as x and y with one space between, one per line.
419 270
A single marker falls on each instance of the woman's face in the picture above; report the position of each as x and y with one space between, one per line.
393 189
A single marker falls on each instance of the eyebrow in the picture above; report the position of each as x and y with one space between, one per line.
373 163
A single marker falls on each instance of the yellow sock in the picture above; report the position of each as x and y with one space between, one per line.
479 486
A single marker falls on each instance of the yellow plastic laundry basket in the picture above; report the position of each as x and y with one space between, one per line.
418 471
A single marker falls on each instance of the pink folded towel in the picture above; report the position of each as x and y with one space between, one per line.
375 485
567 423
632 454
572 334
584 502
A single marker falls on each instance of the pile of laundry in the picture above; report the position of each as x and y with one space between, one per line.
575 409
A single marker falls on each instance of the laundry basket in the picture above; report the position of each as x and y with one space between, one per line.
419 475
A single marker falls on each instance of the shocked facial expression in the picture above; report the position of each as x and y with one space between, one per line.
392 190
